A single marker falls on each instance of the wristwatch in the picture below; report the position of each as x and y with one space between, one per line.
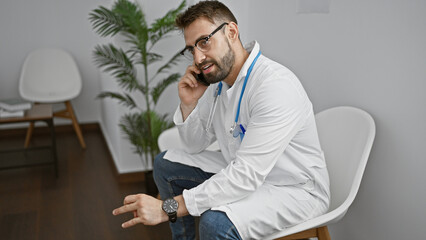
170 206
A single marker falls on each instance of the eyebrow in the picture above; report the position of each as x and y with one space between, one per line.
188 46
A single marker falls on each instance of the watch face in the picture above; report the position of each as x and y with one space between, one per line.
170 205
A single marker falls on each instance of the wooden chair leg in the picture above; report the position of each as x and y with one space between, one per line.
75 124
29 134
323 233
301 235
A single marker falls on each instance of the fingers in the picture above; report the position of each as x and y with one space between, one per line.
189 77
129 204
131 223
193 68
124 209
131 199
144 208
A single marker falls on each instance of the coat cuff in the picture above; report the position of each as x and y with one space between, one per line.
177 118
190 203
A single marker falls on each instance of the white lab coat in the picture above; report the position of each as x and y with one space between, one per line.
276 176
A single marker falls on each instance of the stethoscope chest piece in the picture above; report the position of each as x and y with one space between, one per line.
232 130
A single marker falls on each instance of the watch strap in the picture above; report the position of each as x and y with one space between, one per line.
172 217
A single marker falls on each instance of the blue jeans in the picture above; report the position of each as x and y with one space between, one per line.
171 179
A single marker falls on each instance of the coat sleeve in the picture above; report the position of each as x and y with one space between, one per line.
193 132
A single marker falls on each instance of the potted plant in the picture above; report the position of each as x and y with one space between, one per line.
142 124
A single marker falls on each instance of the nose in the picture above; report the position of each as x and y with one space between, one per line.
199 56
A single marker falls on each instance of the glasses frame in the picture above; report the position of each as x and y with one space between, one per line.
188 48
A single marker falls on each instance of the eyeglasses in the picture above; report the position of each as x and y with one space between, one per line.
203 44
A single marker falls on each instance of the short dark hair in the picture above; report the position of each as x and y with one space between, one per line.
214 11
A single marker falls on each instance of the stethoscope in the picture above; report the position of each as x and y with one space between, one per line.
233 130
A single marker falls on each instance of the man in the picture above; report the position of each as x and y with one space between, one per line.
270 171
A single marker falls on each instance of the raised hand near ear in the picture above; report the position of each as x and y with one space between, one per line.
190 90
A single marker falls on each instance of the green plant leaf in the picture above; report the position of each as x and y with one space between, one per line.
134 25
172 62
151 58
105 22
143 89
125 99
132 16
164 25
144 138
116 62
126 18
136 130
161 86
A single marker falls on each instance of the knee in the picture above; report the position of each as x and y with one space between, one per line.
159 165
207 225
216 225
159 159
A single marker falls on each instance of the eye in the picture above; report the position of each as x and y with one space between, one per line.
203 43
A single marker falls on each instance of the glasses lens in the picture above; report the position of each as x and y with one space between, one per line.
203 45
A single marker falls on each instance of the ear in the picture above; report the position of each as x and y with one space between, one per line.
232 31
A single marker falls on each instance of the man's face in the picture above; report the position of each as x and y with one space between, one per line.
218 61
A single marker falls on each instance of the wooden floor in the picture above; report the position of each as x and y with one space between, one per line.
76 205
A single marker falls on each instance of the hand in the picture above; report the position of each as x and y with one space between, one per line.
189 89
146 210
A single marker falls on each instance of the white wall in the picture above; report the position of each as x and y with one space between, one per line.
372 55
26 25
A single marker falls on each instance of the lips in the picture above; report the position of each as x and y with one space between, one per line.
207 68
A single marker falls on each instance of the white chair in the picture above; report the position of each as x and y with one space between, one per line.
346 135
170 138
51 76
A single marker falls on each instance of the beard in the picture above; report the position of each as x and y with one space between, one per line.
224 67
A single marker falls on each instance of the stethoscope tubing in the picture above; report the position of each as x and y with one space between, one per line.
219 91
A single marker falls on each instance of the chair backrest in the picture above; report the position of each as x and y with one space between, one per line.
346 136
49 75
169 139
